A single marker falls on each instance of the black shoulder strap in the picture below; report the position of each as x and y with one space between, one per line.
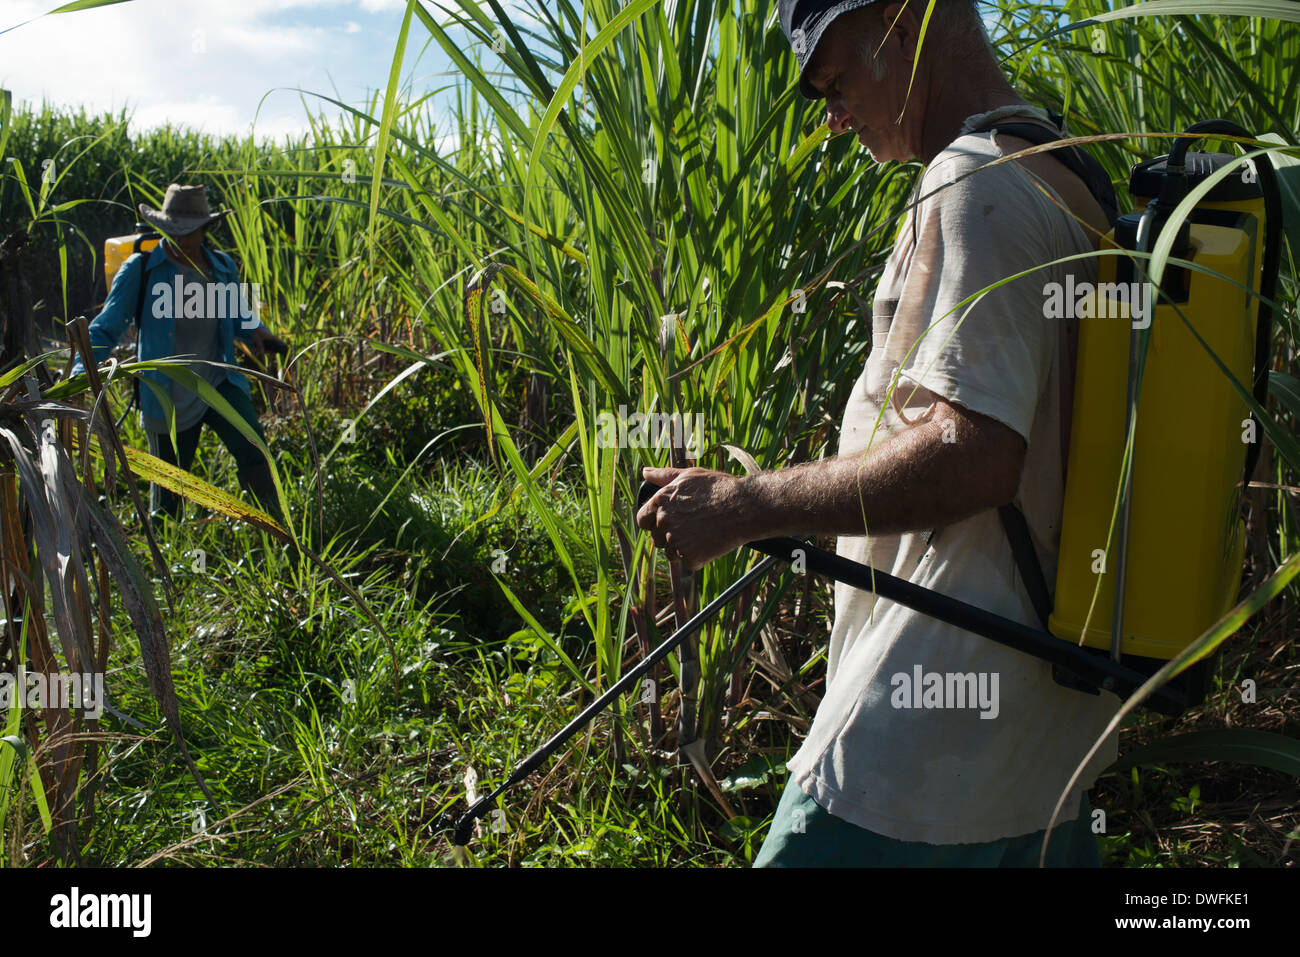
139 326
1031 571
1081 164
139 302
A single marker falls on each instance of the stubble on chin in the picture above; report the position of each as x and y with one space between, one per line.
880 153
870 152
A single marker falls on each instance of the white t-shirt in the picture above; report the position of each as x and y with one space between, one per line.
881 754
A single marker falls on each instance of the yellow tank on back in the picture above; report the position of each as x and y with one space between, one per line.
1186 539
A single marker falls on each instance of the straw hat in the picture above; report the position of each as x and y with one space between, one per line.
184 209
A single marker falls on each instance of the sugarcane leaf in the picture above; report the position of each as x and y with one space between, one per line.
70 7
572 77
1264 749
84 5
200 386
1287 168
1268 9
38 795
20 370
8 758
155 651
386 120
1286 389
54 521
174 479
544 636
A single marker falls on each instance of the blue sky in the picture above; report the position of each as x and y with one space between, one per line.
208 65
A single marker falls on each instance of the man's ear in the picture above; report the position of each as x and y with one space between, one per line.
902 27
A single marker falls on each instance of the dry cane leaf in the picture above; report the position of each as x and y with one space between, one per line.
155 653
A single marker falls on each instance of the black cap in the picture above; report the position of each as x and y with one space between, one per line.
804 22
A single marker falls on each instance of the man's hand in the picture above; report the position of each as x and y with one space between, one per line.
264 342
697 515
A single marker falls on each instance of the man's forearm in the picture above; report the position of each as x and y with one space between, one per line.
935 473
940 470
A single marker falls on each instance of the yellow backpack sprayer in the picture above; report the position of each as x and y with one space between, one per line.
1173 564
118 249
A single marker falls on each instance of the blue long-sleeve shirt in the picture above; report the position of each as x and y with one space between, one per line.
157 322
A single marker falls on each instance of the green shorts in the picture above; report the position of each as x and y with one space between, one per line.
803 834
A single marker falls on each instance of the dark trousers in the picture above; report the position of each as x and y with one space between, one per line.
248 457
803 834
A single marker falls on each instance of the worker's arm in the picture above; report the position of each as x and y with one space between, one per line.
119 310
911 480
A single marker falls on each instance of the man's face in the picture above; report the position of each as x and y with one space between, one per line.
854 99
188 246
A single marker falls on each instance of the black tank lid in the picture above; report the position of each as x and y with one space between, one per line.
1241 184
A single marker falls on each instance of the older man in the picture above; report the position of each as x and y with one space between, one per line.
975 401
191 306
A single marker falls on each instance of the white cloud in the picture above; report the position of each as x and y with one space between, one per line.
271 43
213 115
201 64
207 113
